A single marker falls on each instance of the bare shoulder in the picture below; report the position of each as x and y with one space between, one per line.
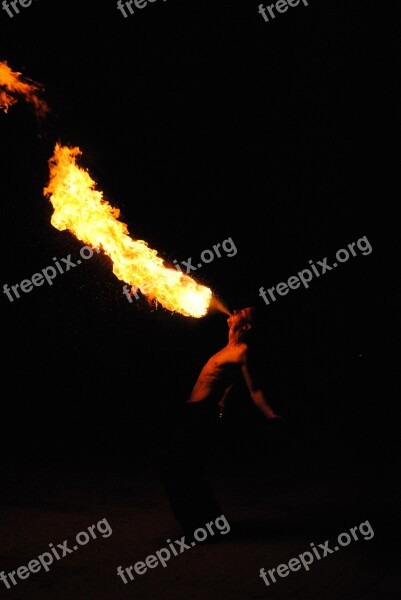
229 355
249 358
243 354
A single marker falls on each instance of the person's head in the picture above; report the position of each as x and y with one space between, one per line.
241 323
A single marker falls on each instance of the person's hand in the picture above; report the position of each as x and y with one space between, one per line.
276 420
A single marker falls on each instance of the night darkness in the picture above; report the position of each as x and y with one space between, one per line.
202 122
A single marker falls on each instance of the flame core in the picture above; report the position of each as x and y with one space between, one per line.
12 84
81 209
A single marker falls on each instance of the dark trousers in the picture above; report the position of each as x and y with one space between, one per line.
183 455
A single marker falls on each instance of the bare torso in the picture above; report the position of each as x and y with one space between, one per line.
220 371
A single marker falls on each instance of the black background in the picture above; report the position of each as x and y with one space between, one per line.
202 122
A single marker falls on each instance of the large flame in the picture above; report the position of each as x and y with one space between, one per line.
12 84
81 209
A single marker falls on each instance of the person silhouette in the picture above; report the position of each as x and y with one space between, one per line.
189 493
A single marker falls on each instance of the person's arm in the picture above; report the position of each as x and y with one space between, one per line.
222 402
258 395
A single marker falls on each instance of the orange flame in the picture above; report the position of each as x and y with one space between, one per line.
81 209
13 84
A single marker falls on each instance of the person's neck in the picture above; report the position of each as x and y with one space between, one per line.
233 338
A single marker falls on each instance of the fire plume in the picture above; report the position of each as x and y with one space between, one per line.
12 85
81 209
